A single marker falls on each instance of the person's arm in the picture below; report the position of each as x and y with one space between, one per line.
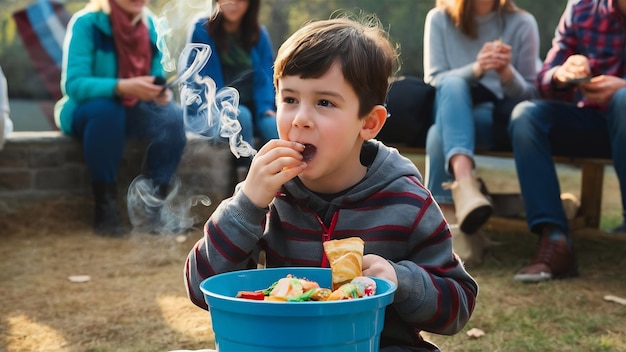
435 293
77 77
525 60
435 60
264 94
230 235
210 70
564 45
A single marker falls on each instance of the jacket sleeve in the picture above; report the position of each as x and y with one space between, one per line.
435 293
229 243
525 61
564 45
211 70
77 75
264 93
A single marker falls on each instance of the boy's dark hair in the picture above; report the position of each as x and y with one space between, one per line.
363 49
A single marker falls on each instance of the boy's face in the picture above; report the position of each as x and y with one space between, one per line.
322 113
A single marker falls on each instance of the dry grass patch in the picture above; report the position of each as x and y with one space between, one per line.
136 300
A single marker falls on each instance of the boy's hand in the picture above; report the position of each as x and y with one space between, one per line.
377 266
277 162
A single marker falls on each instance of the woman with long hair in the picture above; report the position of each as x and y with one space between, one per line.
482 57
242 58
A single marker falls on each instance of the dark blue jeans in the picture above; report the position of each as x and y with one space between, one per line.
104 124
542 128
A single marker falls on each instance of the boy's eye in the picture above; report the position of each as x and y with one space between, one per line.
325 103
289 100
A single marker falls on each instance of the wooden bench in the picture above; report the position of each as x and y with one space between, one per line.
592 179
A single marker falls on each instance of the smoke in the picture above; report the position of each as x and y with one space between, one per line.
151 208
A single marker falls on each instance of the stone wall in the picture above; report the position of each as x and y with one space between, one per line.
39 166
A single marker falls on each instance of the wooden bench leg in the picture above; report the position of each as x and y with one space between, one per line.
591 193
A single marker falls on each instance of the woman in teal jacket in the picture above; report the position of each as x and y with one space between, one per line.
241 57
110 63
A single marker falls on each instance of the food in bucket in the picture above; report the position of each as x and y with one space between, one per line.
346 259
293 289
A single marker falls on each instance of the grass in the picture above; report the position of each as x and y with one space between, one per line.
136 301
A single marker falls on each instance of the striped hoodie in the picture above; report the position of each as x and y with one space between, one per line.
389 209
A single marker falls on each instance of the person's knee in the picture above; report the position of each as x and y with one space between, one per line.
618 102
452 84
616 110
107 116
521 117
434 142
102 108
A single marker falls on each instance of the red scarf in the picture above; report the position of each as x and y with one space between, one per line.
132 42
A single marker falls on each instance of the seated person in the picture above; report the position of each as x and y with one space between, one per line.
110 62
583 84
482 58
242 58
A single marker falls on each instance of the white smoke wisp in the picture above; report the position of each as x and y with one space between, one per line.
173 26
215 120
216 113
150 213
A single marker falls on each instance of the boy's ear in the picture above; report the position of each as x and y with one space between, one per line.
374 122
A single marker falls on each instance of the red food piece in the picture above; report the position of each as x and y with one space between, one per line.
258 296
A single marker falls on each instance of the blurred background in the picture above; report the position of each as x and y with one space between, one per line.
404 19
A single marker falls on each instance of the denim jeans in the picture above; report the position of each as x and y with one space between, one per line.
104 124
266 128
459 127
532 129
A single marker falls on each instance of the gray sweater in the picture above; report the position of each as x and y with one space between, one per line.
447 51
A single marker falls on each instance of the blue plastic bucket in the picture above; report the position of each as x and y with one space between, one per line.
242 325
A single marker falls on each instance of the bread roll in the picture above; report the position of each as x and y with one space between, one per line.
346 259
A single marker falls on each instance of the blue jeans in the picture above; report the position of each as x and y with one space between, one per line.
460 126
104 124
532 129
266 128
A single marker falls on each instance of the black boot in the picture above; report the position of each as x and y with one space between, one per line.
106 221
155 221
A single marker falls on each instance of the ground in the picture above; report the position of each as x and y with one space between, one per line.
135 299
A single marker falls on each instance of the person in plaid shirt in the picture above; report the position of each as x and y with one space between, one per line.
583 114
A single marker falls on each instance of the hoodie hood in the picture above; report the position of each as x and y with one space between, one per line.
384 164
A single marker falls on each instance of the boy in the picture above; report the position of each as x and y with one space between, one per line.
325 178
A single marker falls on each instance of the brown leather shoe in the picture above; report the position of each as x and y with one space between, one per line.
554 260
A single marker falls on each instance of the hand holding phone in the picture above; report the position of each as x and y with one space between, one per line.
579 80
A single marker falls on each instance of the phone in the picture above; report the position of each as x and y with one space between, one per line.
166 83
579 79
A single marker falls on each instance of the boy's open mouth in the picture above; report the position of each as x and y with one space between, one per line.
309 152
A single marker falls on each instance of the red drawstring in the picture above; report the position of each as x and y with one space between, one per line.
327 234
